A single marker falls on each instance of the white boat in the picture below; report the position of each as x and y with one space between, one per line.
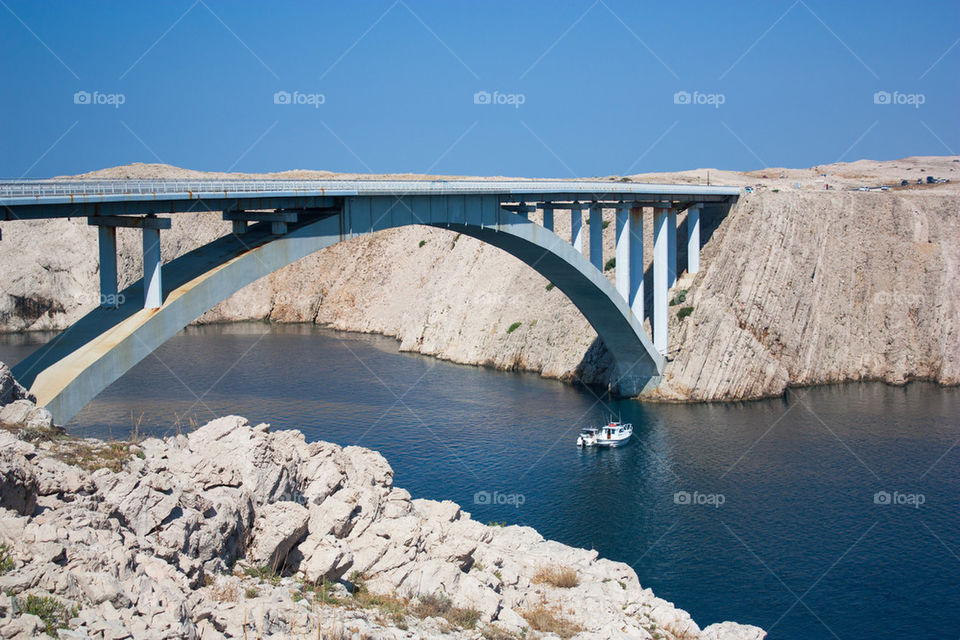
588 437
614 434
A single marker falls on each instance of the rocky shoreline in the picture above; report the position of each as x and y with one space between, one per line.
237 531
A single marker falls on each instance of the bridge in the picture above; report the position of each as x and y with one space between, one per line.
277 222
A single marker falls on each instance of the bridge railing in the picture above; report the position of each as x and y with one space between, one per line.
122 187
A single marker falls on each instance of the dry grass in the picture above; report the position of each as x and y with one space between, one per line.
228 591
561 577
93 455
440 606
550 621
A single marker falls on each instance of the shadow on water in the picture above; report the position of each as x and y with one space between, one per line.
727 510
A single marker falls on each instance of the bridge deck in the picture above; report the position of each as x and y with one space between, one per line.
60 198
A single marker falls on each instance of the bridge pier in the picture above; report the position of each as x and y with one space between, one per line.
547 216
107 240
596 236
671 248
624 266
635 240
693 238
576 226
661 217
152 261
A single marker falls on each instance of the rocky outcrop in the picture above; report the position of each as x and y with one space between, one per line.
237 531
798 286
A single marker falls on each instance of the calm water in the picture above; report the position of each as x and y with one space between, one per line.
783 530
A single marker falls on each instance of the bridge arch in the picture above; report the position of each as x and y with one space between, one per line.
79 363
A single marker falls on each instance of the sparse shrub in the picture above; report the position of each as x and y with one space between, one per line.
493 632
562 577
455 238
6 559
549 621
440 606
611 263
422 242
514 327
264 573
251 592
684 312
55 614
228 591
680 298
606 223
550 286
496 523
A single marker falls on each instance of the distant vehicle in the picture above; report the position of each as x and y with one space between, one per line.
863 188
884 188
904 183
748 189
930 180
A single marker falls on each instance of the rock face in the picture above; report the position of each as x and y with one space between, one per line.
796 287
227 531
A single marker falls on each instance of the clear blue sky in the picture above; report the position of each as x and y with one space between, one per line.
597 81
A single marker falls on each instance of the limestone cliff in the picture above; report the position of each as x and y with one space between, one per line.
799 285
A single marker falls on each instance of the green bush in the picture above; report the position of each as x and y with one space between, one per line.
55 614
684 312
422 242
514 327
606 223
6 559
680 298
550 286
611 263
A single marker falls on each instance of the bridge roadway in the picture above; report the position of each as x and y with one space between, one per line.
276 222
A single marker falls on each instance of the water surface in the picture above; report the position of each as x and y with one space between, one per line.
763 512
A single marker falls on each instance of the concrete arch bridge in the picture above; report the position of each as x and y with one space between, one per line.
276 222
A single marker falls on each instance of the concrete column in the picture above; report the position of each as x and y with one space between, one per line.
239 227
576 227
108 266
596 236
693 238
623 252
636 262
671 248
548 216
152 288
660 277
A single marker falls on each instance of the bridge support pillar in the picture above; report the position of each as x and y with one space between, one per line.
239 227
107 237
693 238
622 252
671 248
636 263
576 227
548 217
596 236
152 287
661 218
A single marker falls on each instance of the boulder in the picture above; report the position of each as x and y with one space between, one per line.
18 484
321 557
278 528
